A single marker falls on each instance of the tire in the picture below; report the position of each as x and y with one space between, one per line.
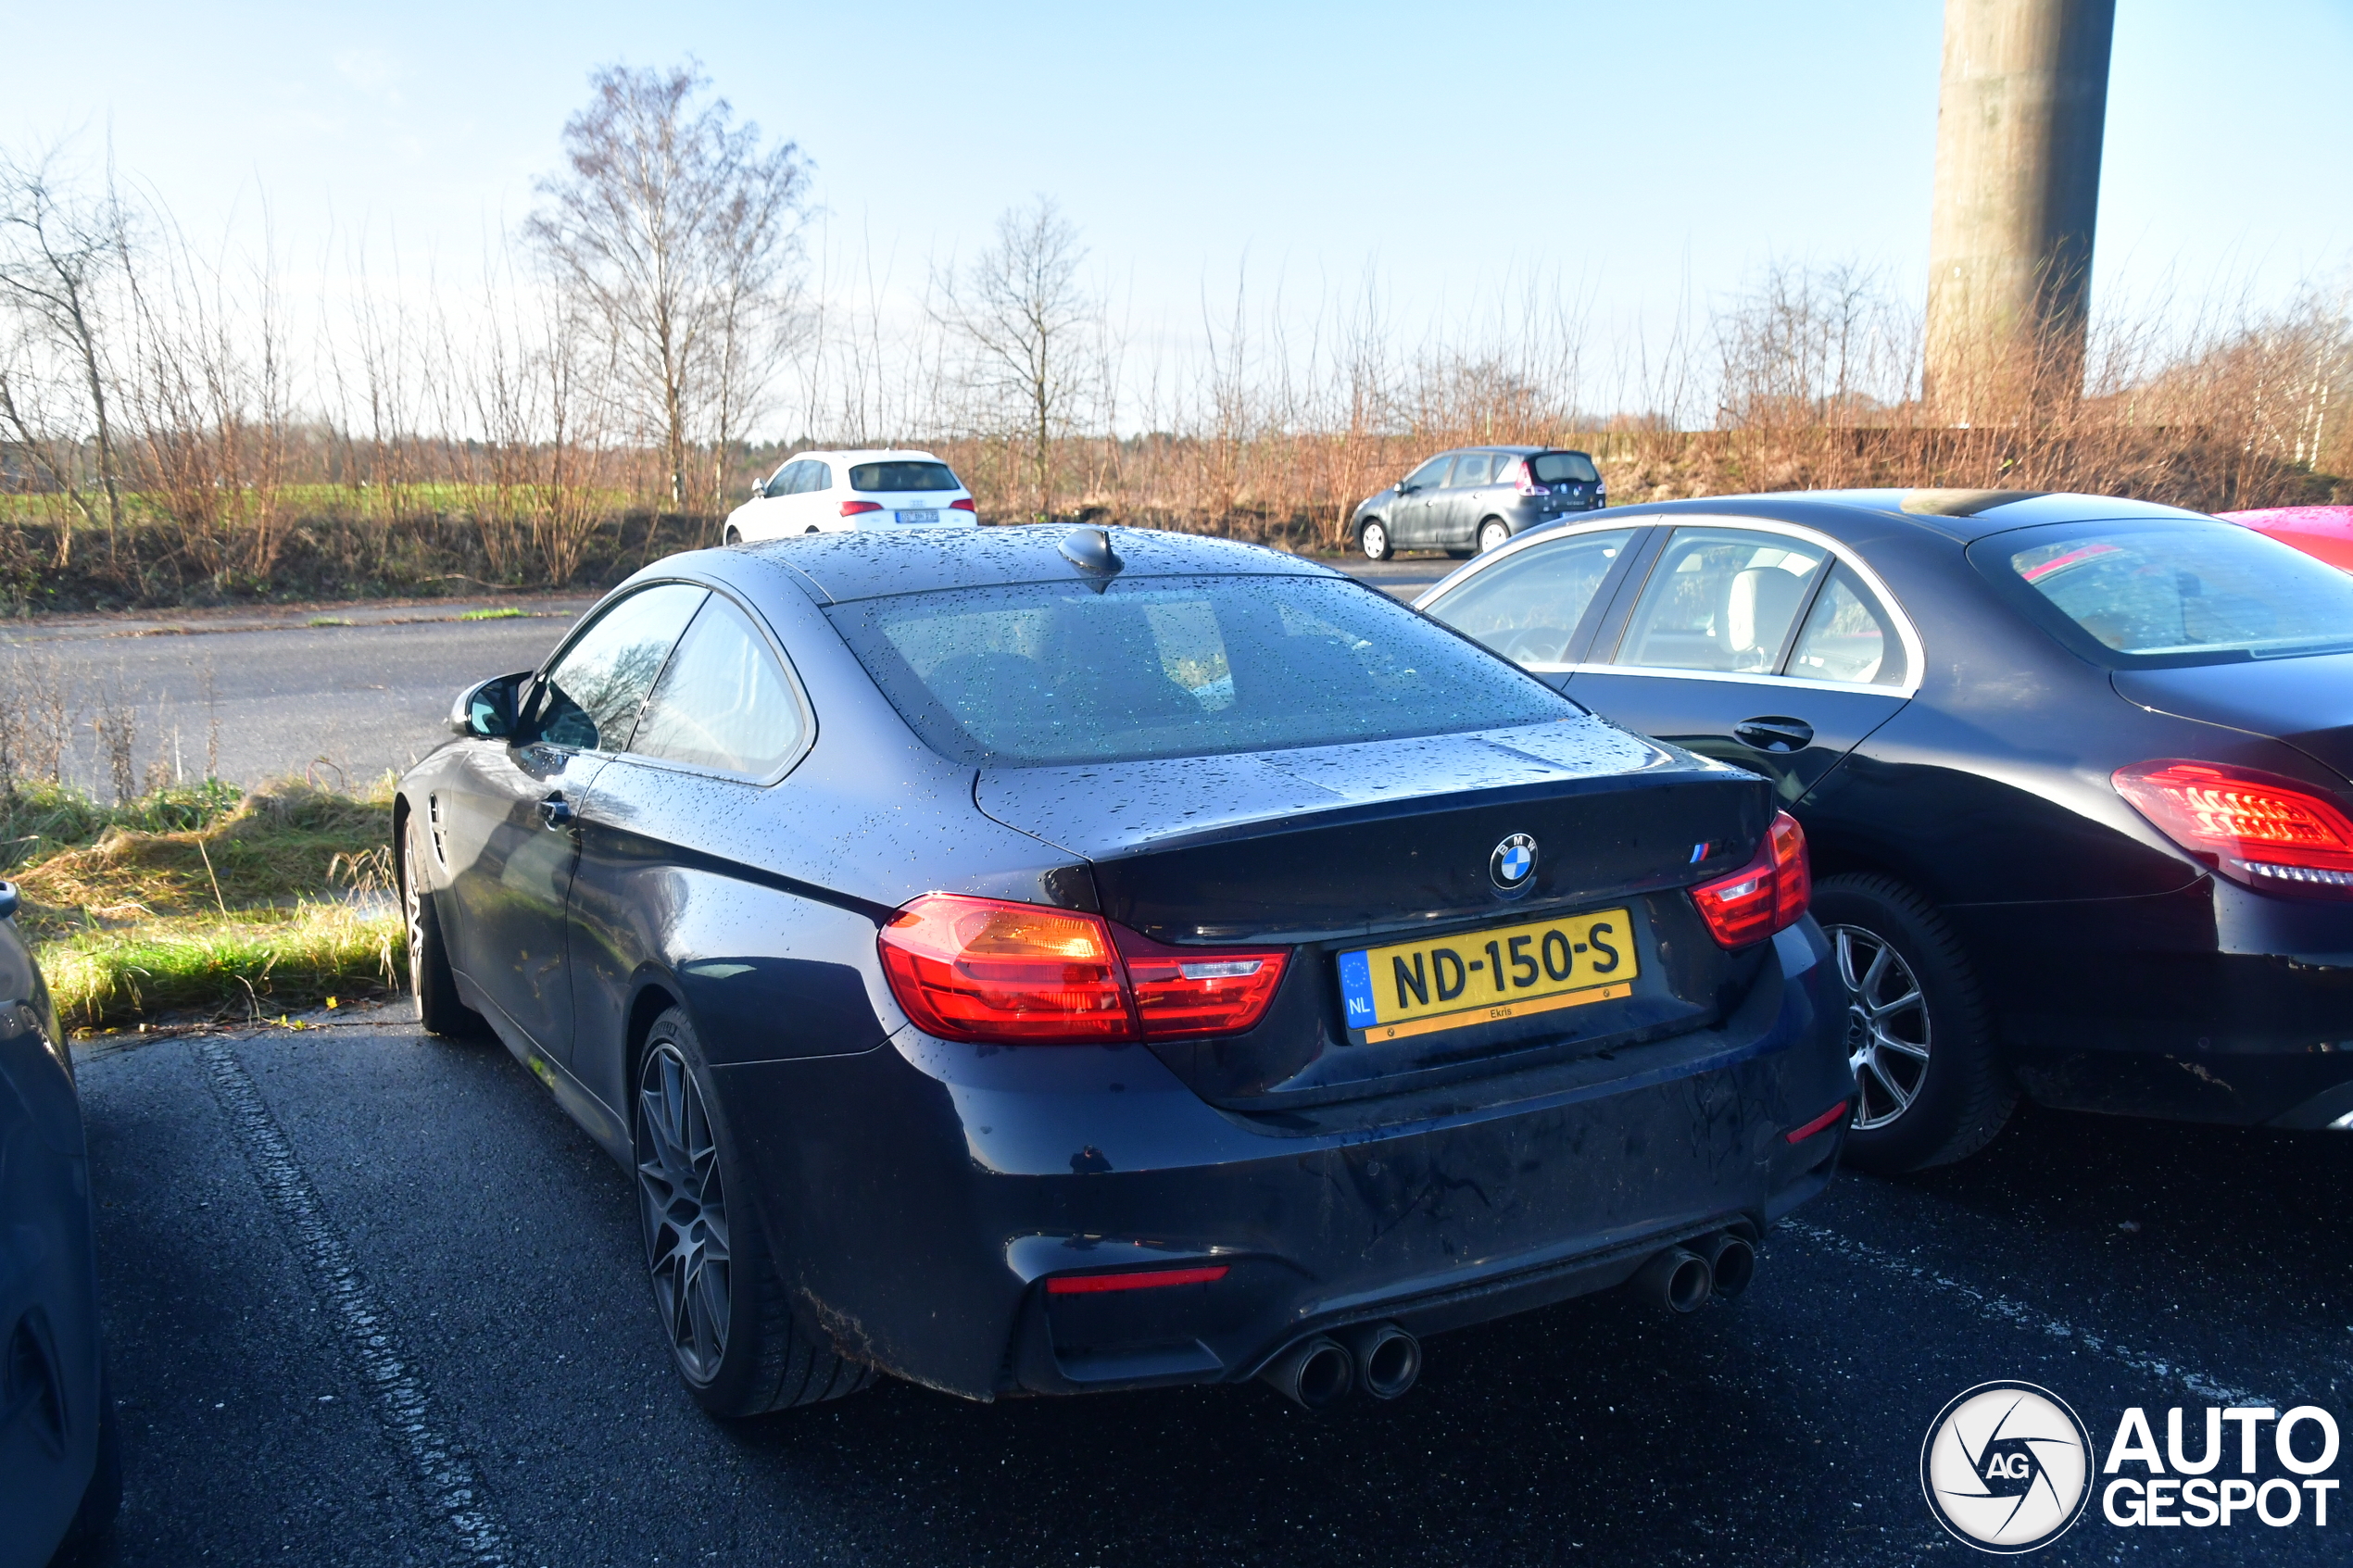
1494 534
1373 539
101 1499
732 537
734 1337
430 981
1930 1087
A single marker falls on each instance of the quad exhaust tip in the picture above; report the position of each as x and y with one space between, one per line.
1323 1368
1682 1278
1388 1359
1317 1373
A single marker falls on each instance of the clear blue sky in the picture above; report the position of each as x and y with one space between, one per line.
1631 147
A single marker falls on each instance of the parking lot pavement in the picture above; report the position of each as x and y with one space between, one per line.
372 1299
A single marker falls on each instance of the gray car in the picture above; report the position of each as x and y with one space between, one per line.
1471 500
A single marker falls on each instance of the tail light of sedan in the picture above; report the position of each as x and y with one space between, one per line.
989 971
2257 829
1770 894
963 503
852 509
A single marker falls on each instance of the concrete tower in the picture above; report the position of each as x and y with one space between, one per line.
2018 120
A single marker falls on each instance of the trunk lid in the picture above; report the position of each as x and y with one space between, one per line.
1331 850
2306 702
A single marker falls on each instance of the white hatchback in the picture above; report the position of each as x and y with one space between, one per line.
842 492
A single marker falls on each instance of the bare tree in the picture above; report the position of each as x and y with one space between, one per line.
1025 316
684 235
59 245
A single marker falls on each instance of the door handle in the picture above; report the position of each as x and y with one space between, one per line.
556 811
1774 733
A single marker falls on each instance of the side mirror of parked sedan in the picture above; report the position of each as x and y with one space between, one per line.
487 709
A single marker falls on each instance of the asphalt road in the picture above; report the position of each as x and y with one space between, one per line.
340 692
372 1298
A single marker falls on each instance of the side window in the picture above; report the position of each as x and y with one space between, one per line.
1472 467
1429 475
1527 606
1721 599
1848 636
589 699
724 702
819 477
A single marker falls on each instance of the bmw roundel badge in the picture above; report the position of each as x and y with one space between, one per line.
1513 863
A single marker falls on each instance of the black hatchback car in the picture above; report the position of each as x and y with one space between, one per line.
1476 499
2077 774
1044 962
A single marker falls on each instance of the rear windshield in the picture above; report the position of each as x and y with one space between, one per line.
1565 468
2157 593
902 476
1039 674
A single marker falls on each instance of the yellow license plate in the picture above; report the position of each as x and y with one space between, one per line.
1483 976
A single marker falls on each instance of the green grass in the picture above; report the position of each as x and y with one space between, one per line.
328 620
509 613
206 899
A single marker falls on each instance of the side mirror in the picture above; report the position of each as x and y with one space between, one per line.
8 900
485 711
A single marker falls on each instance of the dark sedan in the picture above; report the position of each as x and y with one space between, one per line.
60 1450
1475 500
1042 961
2074 771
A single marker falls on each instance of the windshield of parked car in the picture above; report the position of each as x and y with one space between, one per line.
1041 674
2176 593
902 476
1565 468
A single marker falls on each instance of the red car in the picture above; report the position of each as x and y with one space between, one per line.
2324 532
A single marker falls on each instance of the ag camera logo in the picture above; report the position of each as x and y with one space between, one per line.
2007 1467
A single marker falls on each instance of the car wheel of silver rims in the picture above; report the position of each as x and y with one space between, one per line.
1887 1025
683 1204
1376 542
1493 536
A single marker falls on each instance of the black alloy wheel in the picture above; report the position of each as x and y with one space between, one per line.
430 980
732 1334
1928 1083
1373 539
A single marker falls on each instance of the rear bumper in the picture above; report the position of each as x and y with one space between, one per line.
2211 1003
923 1192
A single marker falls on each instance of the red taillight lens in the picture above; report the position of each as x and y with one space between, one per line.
1141 1279
1006 974
1770 894
1520 475
981 969
964 504
852 509
1184 991
2257 829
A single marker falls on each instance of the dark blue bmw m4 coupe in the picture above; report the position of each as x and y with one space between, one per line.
1036 960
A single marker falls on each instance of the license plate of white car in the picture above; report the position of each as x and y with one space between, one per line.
928 515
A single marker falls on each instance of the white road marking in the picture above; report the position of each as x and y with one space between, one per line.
2018 1315
451 1485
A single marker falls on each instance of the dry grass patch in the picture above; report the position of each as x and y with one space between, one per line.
281 899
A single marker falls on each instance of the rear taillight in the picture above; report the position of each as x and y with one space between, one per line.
852 509
1005 973
1770 894
1183 991
1523 478
2257 829
963 503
